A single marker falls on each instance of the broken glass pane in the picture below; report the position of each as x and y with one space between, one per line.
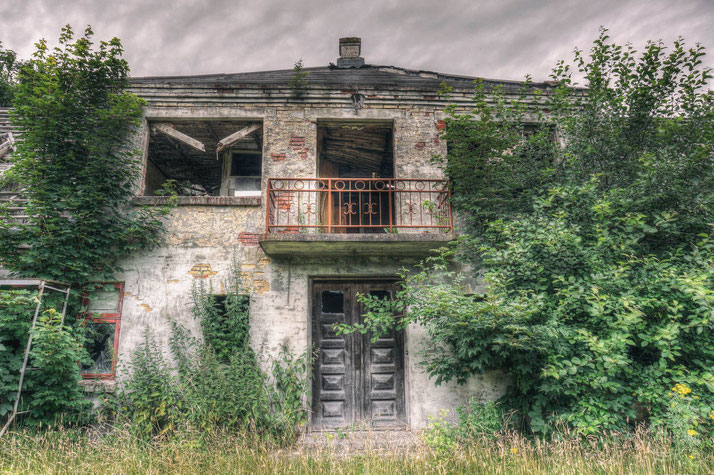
104 300
100 346
333 301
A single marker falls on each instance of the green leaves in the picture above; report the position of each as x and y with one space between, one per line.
596 251
50 391
76 164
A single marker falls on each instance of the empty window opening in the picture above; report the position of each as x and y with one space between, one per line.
205 157
101 323
244 176
237 304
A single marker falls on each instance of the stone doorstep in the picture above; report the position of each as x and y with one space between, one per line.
352 442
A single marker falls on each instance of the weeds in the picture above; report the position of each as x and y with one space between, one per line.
222 452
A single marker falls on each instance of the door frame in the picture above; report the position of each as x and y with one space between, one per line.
311 280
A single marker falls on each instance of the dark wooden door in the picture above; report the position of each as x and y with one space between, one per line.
355 381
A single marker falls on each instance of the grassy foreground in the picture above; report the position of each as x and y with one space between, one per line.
74 452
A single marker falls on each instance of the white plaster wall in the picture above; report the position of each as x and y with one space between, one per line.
158 288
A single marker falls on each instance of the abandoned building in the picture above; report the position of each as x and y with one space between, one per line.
321 192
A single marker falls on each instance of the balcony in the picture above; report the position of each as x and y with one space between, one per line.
347 216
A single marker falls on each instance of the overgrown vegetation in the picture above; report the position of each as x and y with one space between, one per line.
216 381
597 250
75 165
298 81
50 391
9 67
78 172
214 452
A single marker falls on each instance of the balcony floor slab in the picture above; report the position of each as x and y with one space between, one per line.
352 244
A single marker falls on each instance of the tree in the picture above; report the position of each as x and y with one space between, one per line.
75 164
9 67
597 250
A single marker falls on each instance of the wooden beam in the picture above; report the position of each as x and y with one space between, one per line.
227 141
8 145
169 130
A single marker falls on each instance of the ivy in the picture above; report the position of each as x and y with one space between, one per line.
75 164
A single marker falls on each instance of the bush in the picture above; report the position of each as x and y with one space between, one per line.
597 252
215 382
50 392
476 422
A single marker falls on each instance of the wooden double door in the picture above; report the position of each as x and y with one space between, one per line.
356 381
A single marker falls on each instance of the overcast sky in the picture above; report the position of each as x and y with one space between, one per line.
503 39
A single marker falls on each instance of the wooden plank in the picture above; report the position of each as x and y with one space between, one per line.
7 145
169 130
227 141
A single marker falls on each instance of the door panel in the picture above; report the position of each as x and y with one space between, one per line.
355 379
333 394
384 367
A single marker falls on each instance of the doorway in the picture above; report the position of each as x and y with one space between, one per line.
358 156
355 381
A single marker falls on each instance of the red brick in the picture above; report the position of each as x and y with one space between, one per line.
248 239
420 145
440 125
278 157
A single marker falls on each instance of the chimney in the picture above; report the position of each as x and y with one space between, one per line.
350 50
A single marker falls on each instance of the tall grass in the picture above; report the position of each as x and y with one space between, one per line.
190 453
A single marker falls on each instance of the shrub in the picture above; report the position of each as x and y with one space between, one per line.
50 392
476 422
216 381
597 252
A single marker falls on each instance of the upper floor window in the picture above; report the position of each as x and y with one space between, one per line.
205 157
243 177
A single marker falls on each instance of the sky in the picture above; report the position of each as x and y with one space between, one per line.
500 39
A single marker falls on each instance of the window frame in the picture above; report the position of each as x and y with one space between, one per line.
105 317
228 173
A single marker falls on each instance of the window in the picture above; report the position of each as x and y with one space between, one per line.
204 158
103 303
245 173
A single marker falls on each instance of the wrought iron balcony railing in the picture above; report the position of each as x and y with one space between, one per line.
358 205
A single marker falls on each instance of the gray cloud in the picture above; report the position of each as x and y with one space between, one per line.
503 39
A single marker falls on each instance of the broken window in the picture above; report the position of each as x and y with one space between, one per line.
355 149
101 323
205 157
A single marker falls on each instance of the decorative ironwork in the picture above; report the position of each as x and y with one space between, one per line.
362 205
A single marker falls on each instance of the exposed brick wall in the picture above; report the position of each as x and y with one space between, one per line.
278 157
248 239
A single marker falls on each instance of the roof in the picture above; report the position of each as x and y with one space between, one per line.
331 76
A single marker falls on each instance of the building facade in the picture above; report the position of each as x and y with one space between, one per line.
318 187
